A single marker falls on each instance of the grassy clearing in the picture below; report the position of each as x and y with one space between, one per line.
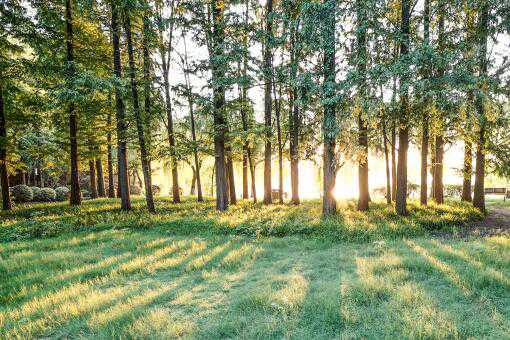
246 218
157 282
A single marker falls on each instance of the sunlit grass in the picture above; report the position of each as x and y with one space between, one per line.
245 218
194 273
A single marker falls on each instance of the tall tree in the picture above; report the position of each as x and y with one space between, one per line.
4 175
482 33
75 198
425 115
361 57
403 128
165 52
138 116
329 121
122 166
218 73
439 138
294 116
268 70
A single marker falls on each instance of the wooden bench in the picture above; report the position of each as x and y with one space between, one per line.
498 191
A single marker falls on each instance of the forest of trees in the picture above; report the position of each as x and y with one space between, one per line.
90 91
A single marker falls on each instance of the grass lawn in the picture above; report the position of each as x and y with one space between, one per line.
253 272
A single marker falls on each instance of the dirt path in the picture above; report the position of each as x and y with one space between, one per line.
497 222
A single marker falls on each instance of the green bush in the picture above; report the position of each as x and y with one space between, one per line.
35 190
45 195
62 194
156 190
85 193
135 190
21 193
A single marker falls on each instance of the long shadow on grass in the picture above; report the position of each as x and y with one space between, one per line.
41 314
458 284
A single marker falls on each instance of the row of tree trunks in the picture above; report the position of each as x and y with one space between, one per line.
294 117
92 179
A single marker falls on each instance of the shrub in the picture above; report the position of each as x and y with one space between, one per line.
453 190
155 190
45 195
62 194
21 193
85 193
35 190
135 190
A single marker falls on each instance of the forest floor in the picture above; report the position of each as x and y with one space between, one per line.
252 272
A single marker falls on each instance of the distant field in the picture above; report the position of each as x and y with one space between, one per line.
254 272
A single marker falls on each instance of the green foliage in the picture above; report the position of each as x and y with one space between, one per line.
135 190
62 194
21 193
45 195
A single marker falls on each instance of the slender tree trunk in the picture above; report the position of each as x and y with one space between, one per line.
439 140
138 117
75 198
268 70
122 167
467 171
251 163
361 38
425 116
279 140
329 121
218 73
100 177
403 131
4 175
193 182
92 178
479 192
294 122
111 184
230 176
438 170
386 159
393 161
432 168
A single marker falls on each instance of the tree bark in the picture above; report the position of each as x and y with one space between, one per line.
230 175
218 73
329 121
439 142
75 197
92 179
467 171
386 159
122 167
403 130
294 121
279 141
138 117
361 39
4 175
479 192
425 117
268 70
393 160
111 184
100 177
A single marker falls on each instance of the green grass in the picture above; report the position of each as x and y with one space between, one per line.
194 273
246 218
